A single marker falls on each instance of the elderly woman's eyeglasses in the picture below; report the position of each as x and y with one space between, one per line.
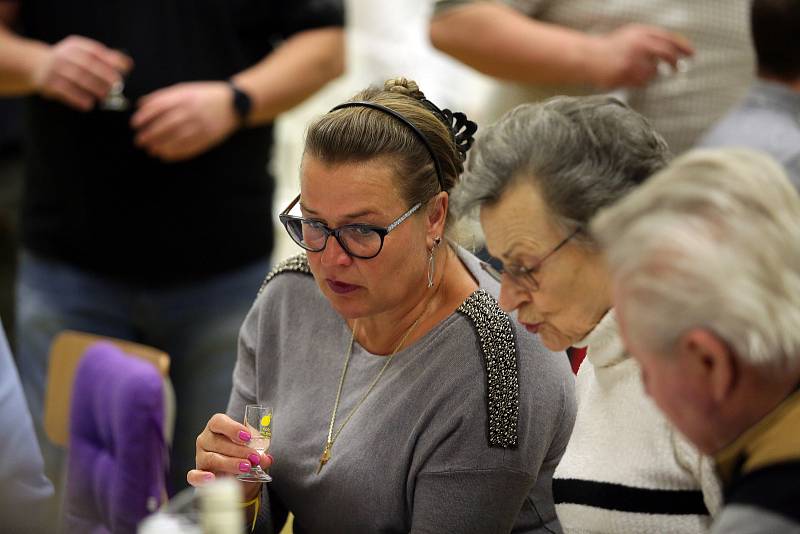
523 276
363 241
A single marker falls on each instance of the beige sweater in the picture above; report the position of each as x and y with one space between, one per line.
681 107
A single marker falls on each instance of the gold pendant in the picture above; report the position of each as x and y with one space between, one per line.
326 455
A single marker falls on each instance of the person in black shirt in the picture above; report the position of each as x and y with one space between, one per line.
146 204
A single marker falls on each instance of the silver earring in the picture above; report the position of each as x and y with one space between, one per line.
432 260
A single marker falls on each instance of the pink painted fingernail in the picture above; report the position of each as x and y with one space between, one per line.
254 459
244 436
244 467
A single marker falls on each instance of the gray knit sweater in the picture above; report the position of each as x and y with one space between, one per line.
461 434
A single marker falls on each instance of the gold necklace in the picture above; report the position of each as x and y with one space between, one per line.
326 452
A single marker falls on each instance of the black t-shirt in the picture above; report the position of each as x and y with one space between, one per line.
95 200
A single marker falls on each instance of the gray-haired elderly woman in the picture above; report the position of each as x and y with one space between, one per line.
539 175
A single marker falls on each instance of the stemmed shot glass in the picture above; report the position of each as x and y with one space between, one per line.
116 100
258 420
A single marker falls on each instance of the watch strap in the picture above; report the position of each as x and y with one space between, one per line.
242 103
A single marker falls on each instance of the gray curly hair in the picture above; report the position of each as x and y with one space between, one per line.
582 153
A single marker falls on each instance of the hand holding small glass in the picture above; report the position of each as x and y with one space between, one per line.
225 447
258 420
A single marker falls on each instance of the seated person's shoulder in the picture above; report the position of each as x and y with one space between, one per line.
287 297
510 382
516 358
766 497
502 340
290 277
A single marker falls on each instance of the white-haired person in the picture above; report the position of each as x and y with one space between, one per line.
705 263
539 175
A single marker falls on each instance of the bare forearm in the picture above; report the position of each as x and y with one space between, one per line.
20 60
293 72
501 42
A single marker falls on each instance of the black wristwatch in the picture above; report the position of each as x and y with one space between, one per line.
242 103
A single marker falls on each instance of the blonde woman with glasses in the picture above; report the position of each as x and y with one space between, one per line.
404 398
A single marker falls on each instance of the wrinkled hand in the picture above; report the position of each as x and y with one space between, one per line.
80 72
183 120
629 56
222 450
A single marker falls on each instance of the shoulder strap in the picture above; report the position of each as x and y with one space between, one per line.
295 264
498 346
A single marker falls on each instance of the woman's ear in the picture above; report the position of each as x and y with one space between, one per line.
437 214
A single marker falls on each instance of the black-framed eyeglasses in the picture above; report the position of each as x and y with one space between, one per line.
363 241
523 276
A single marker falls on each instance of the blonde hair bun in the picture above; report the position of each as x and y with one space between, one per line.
404 86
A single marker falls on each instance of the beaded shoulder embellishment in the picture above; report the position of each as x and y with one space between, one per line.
295 264
498 346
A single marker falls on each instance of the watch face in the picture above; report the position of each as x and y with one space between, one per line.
241 102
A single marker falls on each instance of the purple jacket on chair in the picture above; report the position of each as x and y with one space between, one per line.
117 451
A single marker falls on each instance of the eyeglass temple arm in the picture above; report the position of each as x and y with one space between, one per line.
405 216
291 205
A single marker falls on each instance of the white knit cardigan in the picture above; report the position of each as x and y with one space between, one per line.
625 468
